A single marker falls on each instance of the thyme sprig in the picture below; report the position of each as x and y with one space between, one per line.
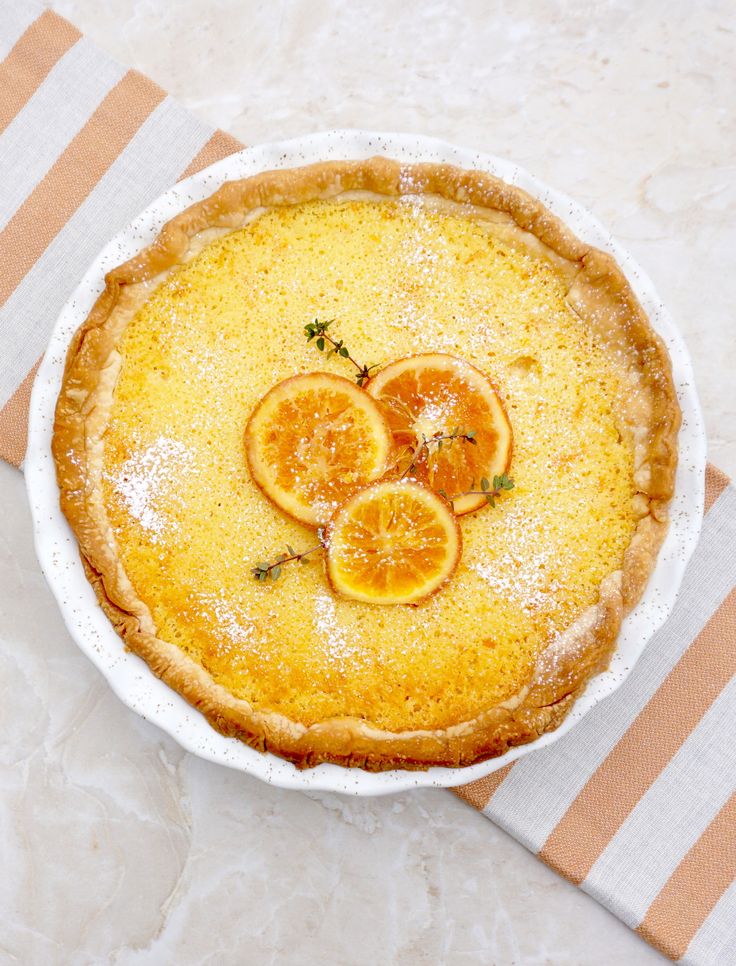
489 491
433 445
272 568
318 330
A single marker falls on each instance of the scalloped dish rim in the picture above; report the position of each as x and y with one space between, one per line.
56 545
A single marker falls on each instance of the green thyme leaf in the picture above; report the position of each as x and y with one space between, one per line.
503 482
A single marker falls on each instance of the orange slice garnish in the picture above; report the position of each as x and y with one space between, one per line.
312 441
392 543
432 395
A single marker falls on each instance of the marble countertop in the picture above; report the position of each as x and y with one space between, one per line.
121 848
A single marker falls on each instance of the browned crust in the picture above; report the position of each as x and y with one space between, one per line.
599 293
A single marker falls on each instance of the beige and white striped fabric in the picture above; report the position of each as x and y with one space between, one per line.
84 146
637 803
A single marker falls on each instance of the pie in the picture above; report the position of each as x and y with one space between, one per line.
541 561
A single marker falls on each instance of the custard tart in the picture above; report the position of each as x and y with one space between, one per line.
417 382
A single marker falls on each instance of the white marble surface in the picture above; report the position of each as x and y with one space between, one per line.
120 848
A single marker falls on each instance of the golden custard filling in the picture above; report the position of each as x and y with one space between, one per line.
399 278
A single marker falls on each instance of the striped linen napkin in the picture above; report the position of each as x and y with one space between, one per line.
85 145
637 803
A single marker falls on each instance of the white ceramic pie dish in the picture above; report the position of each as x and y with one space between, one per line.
56 545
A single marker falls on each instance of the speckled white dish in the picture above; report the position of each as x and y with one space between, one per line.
56 546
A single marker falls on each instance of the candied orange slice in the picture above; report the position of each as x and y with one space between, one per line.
312 441
392 543
433 395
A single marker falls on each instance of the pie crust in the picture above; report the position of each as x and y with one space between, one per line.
598 293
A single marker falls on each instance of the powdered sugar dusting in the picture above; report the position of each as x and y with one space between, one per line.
522 581
410 186
145 479
233 621
332 634
421 263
